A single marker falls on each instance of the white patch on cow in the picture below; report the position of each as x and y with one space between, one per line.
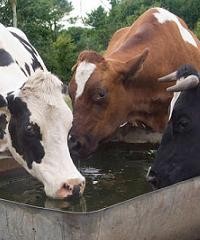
12 77
83 73
173 101
18 32
163 16
16 93
123 124
43 97
148 172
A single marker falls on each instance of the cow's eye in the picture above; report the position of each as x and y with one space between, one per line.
29 130
183 124
100 95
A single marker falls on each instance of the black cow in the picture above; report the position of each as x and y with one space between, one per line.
178 157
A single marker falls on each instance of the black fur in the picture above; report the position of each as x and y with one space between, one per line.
25 136
23 71
178 157
5 58
3 123
3 102
35 64
28 69
186 70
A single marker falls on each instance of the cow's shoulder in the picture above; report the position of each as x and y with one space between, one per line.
18 32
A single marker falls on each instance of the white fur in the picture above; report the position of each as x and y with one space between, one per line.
12 77
42 94
16 49
83 73
173 101
163 16
123 124
18 32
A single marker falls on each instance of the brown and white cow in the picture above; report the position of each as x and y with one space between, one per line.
122 86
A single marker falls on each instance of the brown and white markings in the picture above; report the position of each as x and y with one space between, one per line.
121 86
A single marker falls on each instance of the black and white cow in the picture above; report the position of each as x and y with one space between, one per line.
18 60
179 152
35 119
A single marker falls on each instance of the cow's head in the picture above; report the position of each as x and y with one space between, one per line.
38 125
98 91
178 155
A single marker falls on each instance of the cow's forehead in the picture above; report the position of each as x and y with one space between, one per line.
83 73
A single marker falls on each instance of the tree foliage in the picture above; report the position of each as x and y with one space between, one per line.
41 20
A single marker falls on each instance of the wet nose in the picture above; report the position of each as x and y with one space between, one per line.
72 188
76 191
152 178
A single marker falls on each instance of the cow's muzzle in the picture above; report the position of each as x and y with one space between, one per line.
81 147
71 189
152 179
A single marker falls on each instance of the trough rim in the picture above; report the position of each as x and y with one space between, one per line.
142 196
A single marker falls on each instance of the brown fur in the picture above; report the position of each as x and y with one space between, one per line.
130 73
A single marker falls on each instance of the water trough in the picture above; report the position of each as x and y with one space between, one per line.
169 213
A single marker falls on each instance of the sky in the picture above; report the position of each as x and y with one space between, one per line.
82 7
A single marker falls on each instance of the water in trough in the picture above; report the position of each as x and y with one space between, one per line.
115 173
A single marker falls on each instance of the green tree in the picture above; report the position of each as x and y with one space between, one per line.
5 13
41 21
64 55
197 29
97 19
188 10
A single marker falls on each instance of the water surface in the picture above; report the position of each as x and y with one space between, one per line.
115 173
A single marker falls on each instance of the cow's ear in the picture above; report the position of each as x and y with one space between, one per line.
130 68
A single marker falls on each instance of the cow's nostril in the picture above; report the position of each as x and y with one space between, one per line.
74 144
71 189
67 187
76 191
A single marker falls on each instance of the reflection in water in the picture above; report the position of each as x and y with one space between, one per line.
114 174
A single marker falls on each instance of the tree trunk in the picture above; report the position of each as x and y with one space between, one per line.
14 10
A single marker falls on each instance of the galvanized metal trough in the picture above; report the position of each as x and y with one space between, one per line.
170 213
